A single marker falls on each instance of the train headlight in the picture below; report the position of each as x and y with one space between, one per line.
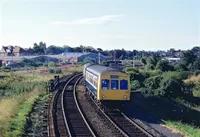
125 97
103 96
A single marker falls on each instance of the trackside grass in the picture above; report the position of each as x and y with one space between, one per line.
184 129
17 95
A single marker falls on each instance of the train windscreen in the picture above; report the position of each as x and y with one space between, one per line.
123 84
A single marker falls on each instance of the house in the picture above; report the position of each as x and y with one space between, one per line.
12 51
172 60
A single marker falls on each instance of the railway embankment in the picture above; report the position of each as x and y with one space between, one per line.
166 116
36 121
18 94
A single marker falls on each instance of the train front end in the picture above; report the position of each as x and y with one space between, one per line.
114 86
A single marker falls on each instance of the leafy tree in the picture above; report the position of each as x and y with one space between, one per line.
152 62
181 67
164 65
39 49
99 50
187 58
171 87
143 60
196 64
78 49
68 48
52 50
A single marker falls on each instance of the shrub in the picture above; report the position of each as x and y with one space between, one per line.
181 67
197 72
196 90
51 71
131 70
52 64
6 68
57 71
152 84
171 87
135 85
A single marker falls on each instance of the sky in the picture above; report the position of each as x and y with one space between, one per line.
107 24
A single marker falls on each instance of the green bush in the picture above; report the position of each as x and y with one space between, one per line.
171 87
196 90
151 84
135 85
51 71
52 64
5 68
57 71
164 65
197 72
131 70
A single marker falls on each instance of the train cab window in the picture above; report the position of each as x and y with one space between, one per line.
114 84
105 84
123 84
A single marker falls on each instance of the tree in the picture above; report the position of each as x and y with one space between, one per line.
39 49
196 64
99 50
152 62
78 49
187 58
52 50
164 65
181 67
143 60
68 48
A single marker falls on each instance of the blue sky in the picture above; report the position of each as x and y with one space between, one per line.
108 24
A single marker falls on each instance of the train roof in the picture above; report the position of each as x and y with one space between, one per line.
99 69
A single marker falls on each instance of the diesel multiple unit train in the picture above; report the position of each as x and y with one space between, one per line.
106 84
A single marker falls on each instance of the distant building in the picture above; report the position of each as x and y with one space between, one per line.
172 60
133 63
12 51
81 56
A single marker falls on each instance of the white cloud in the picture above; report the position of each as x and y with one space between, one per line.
95 20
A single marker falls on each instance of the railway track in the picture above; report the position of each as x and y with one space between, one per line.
68 120
123 125
126 124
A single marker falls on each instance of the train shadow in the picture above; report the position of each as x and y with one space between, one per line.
155 110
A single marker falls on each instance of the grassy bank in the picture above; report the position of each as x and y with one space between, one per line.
14 111
184 129
170 113
18 94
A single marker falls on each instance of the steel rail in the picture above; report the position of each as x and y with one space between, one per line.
62 103
136 125
110 120
93 134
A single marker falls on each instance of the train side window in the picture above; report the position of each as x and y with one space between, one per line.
105 84
114 84
123 84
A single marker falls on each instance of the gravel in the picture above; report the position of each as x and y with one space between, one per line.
99 124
